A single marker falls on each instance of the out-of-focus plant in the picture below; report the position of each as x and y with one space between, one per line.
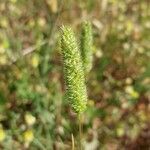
28 137
29 119
86 46
2 134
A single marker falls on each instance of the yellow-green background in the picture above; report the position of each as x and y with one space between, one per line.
33 113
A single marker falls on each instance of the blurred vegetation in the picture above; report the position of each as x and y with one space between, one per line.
33 113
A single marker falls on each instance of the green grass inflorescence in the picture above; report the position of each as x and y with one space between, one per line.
73 71
86 46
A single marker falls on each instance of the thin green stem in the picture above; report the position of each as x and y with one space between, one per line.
80 132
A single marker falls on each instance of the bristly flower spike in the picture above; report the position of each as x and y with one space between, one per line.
73 71
87 46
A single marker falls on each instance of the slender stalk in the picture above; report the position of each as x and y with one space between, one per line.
80 132
72 139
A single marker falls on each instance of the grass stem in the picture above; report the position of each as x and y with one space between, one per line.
80 132
72 139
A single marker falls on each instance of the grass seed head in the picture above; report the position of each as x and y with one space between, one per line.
73 71
86 46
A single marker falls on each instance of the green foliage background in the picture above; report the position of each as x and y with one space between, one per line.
31 79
